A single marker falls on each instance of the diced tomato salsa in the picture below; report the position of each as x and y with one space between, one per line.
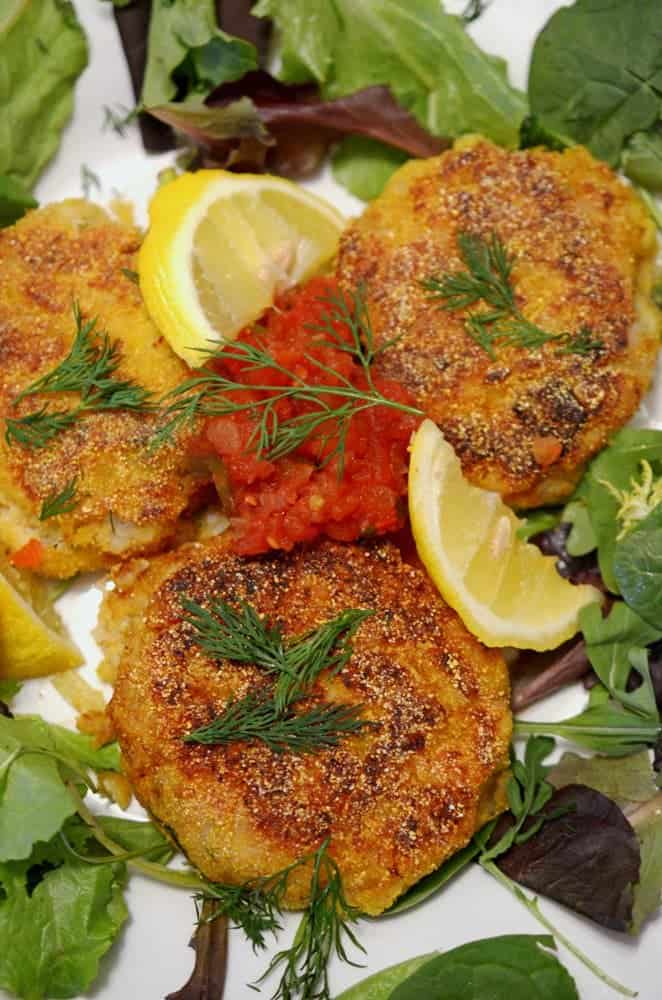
308 492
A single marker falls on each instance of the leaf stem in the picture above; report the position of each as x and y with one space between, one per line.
534 909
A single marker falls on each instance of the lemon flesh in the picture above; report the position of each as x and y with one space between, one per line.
221 246
32 641
505 590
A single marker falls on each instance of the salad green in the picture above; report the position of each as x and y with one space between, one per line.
43 51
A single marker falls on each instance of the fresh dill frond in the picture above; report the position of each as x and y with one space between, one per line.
245 637
131 275
118 118
89 370
88 180
488 281
332 405
256 717
60 503
325 930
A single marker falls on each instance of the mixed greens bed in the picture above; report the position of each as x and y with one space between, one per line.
372 84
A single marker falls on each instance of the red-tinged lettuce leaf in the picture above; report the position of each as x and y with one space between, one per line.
588 859
294 121
210 943
537 675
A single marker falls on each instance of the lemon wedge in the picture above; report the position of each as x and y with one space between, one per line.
221 246
32 639
506 591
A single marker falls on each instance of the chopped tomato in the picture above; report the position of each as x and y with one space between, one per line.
313 490
29 556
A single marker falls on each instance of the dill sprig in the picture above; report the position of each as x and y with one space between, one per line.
255 717
332 404
488 280
60 503
244 637
88 369
325 930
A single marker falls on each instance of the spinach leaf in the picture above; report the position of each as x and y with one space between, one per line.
616 645
364 165
15 201
612 473
424 55
380 986
596 73
42 53
511 967
52 936
638 568
188 55
642 159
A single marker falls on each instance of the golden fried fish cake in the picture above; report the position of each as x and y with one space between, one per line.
525 423
130 499
395 800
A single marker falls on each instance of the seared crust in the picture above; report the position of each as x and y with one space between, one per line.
526 424
395 802
130 498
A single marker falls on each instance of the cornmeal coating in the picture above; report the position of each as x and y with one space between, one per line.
394 800
526 423
130 499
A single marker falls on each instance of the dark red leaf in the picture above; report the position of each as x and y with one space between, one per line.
207 981
536 675
294 121
588 859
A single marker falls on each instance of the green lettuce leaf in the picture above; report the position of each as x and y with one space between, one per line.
621 779
188 55
647 822
42 53
34 801
596 73
8 690
52 938
380 986
425 56
14 201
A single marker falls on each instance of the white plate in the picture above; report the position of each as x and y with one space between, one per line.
151 957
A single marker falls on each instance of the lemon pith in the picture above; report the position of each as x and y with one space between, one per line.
29 647
221 246
505 590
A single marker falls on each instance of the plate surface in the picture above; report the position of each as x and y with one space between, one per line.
151 958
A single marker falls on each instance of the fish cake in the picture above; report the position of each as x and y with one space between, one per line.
526 422
130 499
394 800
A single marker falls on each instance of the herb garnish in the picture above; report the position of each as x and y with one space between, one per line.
243 636
332 405
487 280
60 503
118 118
88 369
88 180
